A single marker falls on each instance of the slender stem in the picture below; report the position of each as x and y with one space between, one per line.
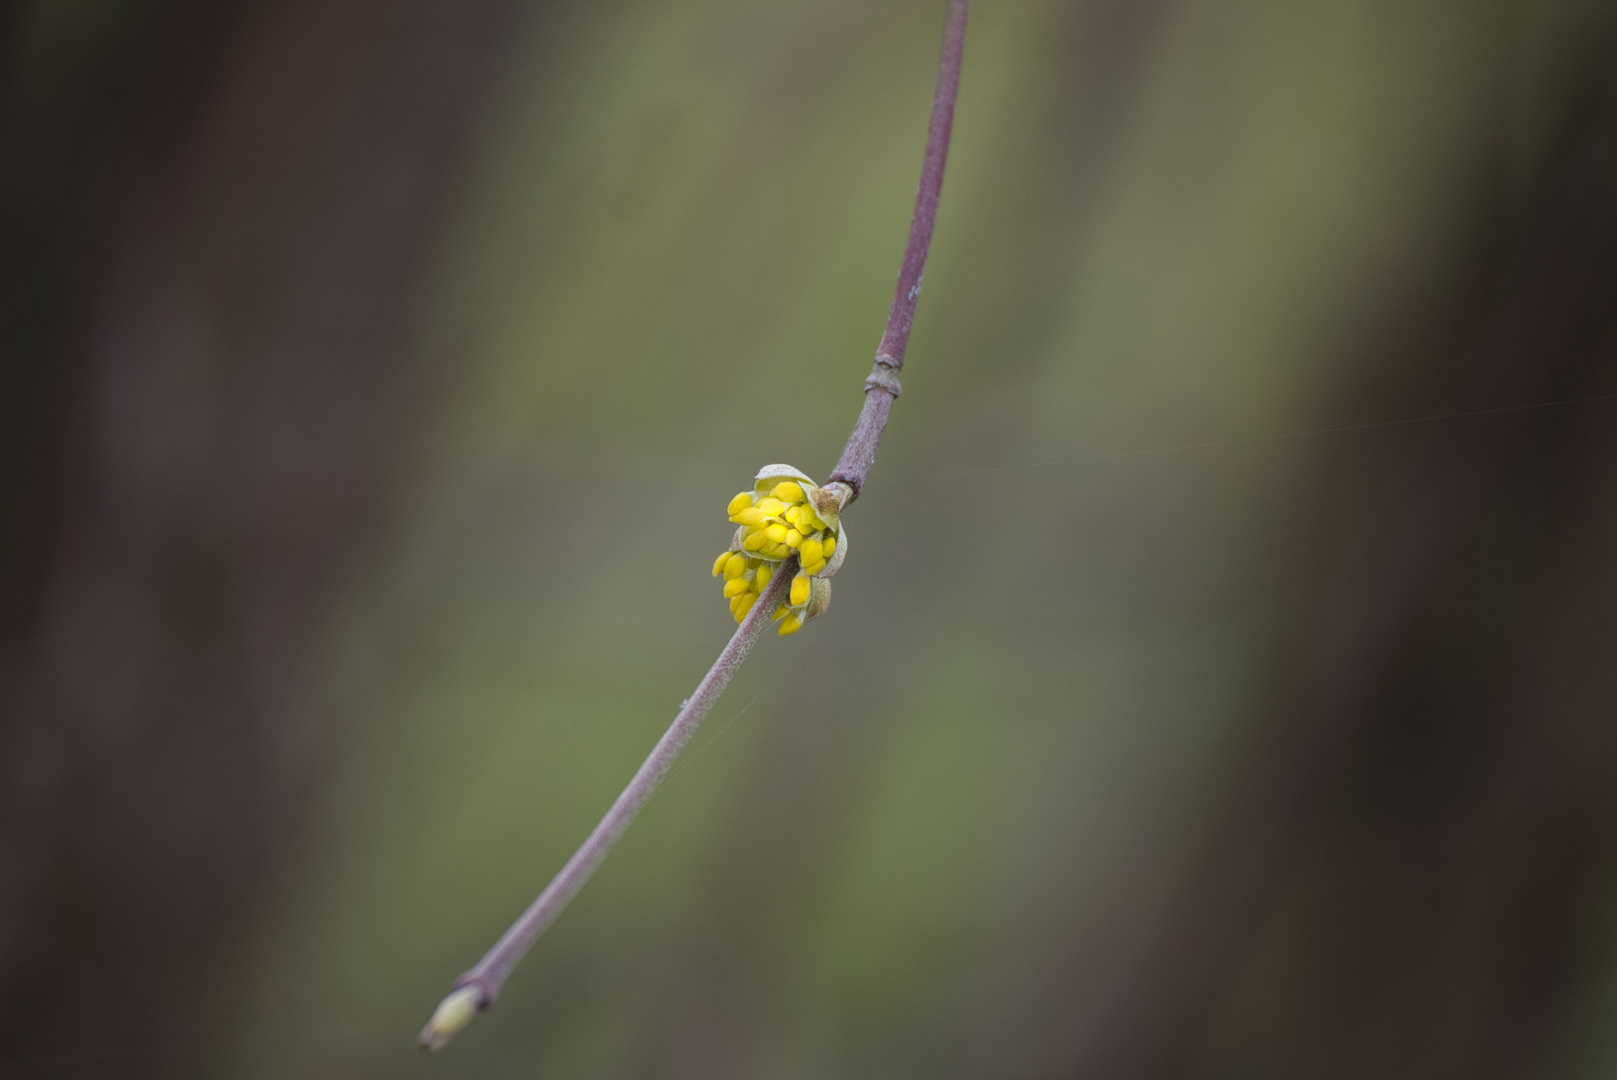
480 986
489 974
882 387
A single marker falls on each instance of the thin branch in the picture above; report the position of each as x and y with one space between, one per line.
882 387
479 987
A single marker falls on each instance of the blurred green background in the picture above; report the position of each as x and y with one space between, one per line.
1219 684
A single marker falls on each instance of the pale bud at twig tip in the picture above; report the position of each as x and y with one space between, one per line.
454 1012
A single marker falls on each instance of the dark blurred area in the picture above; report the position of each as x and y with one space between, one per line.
1223 682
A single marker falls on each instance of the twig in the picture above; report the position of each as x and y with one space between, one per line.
478 988
882 387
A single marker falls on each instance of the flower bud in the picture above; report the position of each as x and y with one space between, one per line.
786 515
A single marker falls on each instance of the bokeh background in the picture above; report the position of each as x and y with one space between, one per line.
1223 682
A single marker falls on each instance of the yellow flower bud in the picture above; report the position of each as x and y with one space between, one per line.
785 516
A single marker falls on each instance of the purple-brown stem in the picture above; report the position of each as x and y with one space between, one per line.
479 987
882 387
489 974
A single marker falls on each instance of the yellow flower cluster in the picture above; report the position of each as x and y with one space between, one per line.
782 522
783 516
